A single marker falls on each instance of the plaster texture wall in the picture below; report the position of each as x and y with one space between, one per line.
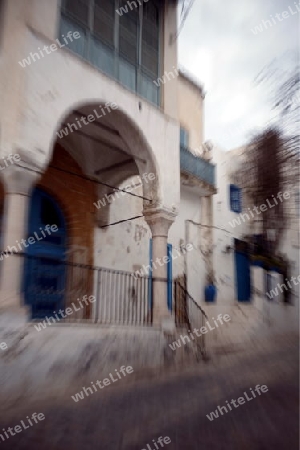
191 111
125 246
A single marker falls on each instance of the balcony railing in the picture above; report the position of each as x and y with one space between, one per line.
197 166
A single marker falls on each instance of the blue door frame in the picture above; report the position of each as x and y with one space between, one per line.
44 269
169 276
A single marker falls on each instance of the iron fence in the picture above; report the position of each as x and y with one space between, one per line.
123 298
118 297
51 284
189 314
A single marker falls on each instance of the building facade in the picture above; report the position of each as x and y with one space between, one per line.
85 119
239 280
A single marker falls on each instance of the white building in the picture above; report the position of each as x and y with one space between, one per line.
240 282
84 114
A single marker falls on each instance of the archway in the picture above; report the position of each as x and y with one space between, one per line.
99 154
109 150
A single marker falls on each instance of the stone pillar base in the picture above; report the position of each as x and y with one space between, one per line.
13 301
168 324
13 317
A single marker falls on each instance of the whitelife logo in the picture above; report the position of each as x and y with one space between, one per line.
262 208
71 127
270 22
18 428
161 441
53 47
30 241
203 330
241 401
128 188
64 313
9 160
274 292
106 381
124 9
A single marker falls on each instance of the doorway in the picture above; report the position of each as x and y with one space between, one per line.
44 267
242 271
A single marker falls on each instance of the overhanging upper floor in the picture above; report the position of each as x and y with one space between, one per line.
197 172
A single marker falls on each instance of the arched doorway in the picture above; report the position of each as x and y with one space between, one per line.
44 268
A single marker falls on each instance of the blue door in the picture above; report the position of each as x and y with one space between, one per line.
169 276
44 268
242 271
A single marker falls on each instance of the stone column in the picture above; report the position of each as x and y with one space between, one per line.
159 223
18 183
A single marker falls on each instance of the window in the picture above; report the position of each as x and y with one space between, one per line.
184 137
235 195
150 39
123 45
103 21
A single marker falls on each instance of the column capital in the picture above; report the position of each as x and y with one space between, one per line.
19 180
160 220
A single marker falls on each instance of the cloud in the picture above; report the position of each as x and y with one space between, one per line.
219 49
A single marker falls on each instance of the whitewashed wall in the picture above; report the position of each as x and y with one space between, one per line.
224 233
125 246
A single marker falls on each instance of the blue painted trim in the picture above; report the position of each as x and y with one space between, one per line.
150 290
169 276
257 263
242 277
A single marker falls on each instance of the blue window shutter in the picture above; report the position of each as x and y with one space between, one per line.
184 137
235 194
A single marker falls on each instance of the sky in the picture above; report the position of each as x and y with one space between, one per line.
219 49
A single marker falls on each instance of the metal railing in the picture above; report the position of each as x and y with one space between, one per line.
189 314
51 284
120 297
197 166
123 298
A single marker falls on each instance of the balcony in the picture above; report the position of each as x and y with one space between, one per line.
197 168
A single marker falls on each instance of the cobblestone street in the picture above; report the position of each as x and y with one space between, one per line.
129 417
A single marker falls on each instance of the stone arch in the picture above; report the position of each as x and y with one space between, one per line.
132 136
127 134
